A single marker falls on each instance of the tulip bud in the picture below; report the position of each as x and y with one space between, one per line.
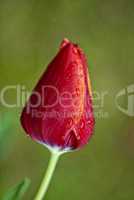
59 112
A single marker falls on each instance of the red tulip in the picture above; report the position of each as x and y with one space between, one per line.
59 112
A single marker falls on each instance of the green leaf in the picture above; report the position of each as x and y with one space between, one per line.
17 192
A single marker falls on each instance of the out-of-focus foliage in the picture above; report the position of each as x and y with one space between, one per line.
17 192
5 132
30 32
5 122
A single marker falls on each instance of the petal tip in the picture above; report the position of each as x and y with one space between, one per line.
64 42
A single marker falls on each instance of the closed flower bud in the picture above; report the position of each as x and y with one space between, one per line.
59 112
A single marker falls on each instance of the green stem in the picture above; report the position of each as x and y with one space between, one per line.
48 176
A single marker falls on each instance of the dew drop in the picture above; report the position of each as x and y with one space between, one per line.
77 91
89 122
82 124
75 51
76 135
70 122
73 64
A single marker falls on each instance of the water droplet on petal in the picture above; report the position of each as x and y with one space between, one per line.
73 64
70 122
77 91
77 135
82 124
75 51
89 122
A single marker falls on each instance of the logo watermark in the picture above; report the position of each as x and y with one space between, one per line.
127 92
49 97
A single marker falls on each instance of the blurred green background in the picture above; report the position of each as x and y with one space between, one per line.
30 33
